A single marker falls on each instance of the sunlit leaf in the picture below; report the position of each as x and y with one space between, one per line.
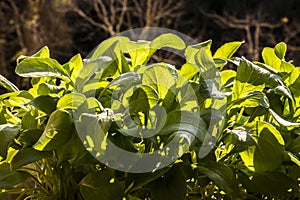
7 84
57 131
8 132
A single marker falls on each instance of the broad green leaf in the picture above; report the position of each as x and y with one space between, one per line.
26 156
252 99
41 67
30 137
93 71
125 78
185 121
46 88
251 77
273 183
188 71
282 121
227 50
241 90
42 53
280 50
267 154
294 75
74 66
221 175
192 50
70 101
29 120
206 64
138 51
57 131
270 58
284 91
160 78
168 40
8 133
227 75
9 177
107 45
266 67
7 84
142 99
139 180
170 186
286 67
100 184
46 104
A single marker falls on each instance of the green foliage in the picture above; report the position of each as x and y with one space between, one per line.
252 150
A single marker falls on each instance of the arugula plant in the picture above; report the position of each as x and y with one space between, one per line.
238 129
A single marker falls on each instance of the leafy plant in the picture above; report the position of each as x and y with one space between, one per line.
237 132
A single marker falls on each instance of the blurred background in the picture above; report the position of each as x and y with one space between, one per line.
69 27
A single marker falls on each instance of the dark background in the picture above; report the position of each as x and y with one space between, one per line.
69 27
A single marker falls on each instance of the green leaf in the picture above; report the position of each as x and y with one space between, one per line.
8 132
280 50
41 67
57 131
186 121
284 91
46 88
71 101
95 69
227 75
26 156
293 158
160 78
7 84
192 50
139 180
206 64
138 51
257 78
275 183
221 175
142 99
46 104
252 99
170 186
29 120
188 71
270 58
74 66
267 154
286 67
30 137
227 50
107 45
282 121
294 146
42 53
100 184
125 78
10 178
168 40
